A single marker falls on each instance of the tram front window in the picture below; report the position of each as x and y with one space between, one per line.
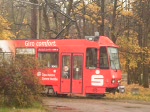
103 58
114 58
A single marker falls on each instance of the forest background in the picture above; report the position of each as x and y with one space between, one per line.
125 22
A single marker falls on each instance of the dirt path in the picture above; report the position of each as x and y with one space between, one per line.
55 104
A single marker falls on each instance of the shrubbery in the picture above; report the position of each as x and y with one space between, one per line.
18 85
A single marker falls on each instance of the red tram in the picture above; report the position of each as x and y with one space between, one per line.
72 66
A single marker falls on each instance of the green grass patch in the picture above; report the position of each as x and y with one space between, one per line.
36 108
21 110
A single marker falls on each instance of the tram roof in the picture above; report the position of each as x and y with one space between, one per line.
100 41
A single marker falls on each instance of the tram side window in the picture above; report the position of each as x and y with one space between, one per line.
91 58
25 52
1 56
103 58
7 56
48 59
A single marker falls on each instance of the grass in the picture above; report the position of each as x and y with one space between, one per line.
20 110
132 92
36 108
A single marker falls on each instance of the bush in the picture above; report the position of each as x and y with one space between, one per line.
18 85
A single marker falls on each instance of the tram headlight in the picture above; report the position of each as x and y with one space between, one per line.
119 81
113 81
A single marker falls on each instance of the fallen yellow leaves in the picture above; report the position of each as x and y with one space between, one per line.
143 95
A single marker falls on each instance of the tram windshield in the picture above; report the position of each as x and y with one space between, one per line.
104 58
114 58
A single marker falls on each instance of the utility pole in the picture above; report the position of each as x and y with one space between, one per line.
39 19
35 17
102 9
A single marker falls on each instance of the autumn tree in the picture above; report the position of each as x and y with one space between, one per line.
5 30
134 16
142 9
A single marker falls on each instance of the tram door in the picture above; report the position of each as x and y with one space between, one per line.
72 73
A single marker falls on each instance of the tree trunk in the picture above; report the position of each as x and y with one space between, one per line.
113 37
101 4
103 16
128 72
145 76
34 19
84 27
46 21
68 13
